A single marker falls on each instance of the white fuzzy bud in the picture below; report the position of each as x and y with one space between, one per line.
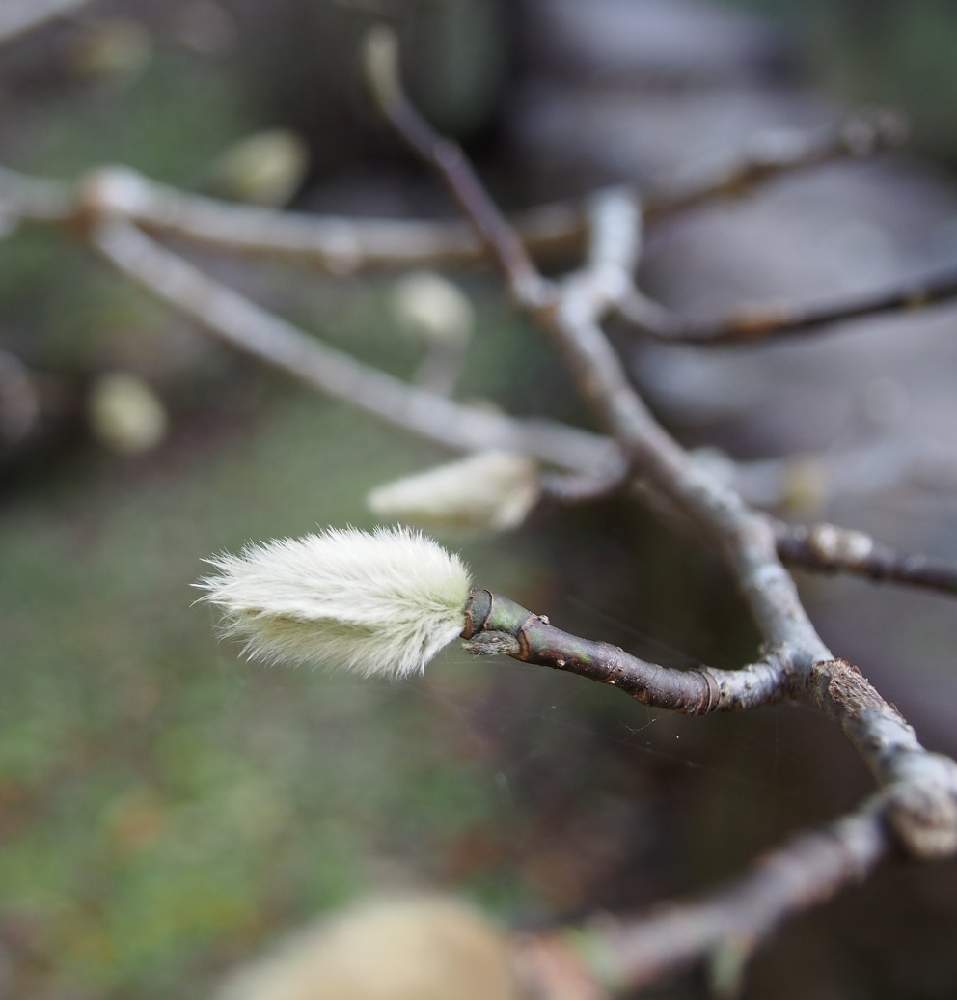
381 603
433 309
492 491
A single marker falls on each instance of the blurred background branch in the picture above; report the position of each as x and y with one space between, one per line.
18 17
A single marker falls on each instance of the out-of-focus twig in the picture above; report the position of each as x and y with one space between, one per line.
764 323
18 17
727 925
774 154
341 244
834 549
245 326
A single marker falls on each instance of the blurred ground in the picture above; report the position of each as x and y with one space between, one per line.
166 809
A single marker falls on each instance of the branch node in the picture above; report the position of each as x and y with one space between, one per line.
922 806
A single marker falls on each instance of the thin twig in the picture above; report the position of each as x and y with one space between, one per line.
498 624
727 925
772 155
500 239
829 548
765 323
18 17
274 341
332 243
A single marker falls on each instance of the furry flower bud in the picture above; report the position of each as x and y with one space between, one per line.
381 603
492 491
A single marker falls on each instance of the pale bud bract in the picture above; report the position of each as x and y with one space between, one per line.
424 948
380 603
488 492
433 309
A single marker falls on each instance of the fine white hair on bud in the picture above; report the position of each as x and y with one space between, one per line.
491 491
380 603
433 309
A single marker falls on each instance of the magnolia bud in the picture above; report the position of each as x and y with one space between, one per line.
433 309
381 603
117 48
125 414
264 169
492 491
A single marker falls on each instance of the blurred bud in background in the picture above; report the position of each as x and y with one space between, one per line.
263 169
433 310
490 492
117 49
421 948
125 414
439 316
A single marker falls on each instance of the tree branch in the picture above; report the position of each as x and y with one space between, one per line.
831 549
726 926
498 624
919 798
765 323
777 154
331 243
245 326
18 17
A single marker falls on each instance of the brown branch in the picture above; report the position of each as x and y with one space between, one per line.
500 239
331 243
725 926
19 17
498 624
765 323
831 549
569 315
776 154
919 799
